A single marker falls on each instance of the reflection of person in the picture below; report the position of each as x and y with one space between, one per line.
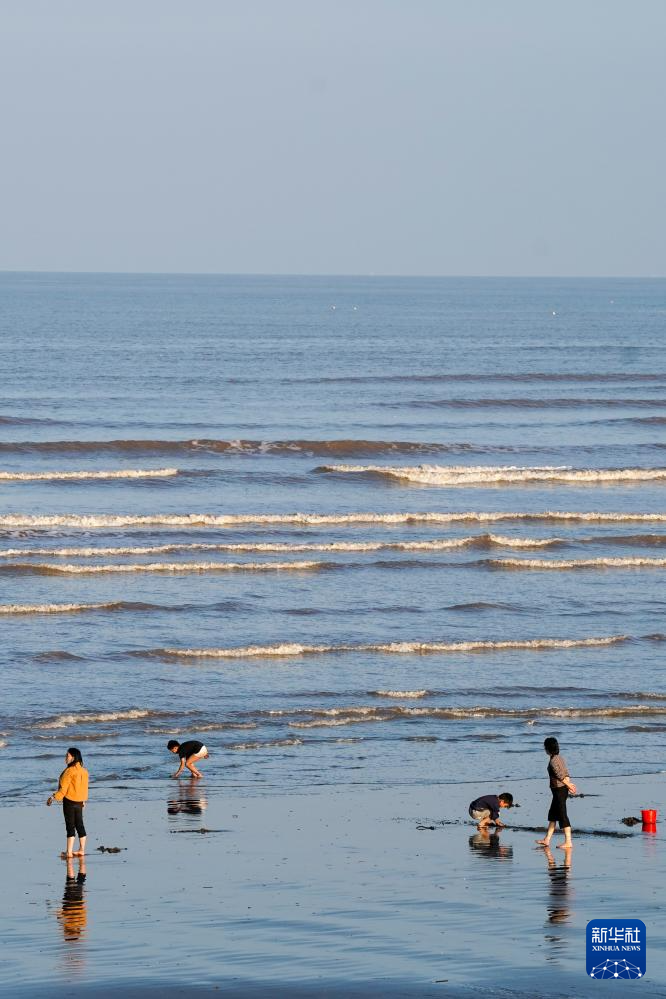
73 792
488 844
560 785
190 800
190 753
485 810
73 912
558 903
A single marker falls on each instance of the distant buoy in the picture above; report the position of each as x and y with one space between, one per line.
554 313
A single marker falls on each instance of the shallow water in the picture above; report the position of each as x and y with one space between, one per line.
403 646
297 891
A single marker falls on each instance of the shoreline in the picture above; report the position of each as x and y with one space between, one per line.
335 893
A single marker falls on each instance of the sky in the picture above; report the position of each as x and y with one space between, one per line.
398 137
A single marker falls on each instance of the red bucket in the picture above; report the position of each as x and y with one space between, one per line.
649 816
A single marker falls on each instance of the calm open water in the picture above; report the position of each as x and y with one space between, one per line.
278 535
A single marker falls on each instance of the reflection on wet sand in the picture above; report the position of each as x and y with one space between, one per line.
487 844
72 914
190 801
558 907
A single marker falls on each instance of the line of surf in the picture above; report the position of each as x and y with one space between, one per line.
54 608
436 544
482 475
227 520
52 569
121 473
333 717
400 648
627 562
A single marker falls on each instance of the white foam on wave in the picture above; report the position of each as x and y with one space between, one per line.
271 744
481 475
54 608
334 717
413 694
122 473
582 563
68 720
434 544
400 648
103 521
53 569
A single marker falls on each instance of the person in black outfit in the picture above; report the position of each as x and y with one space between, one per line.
485 810
190 753
561 786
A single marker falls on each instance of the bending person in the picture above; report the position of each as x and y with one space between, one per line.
73 792
561 786
190 753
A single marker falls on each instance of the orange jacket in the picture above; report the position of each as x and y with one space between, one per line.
73 784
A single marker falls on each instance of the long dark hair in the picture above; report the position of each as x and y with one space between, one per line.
551 745
76 753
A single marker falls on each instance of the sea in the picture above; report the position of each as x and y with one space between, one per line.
349 532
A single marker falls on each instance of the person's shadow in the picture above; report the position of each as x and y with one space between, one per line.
190 801
72 914
487 844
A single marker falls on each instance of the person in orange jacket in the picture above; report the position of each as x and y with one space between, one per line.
73 792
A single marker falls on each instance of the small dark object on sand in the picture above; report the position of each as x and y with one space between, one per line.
111 849
202 830
426 827
630 820
611 833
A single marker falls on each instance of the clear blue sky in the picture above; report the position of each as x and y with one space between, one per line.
508 137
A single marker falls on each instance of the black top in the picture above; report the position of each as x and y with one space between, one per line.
489 801
187 749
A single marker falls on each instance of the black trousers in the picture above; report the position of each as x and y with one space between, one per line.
73 812
558 807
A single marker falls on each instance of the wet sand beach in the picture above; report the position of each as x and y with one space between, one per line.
336 893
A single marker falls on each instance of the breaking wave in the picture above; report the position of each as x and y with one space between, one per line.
411 694
333 717
313 448
64 608
45 569
125 473
297 649
103 521
479 541
270 744
68 720
582 563
482 475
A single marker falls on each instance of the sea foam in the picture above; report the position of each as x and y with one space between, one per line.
435 544
52 569
68 720
628 562
55 608
481 475
123 473
404 648
196 520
